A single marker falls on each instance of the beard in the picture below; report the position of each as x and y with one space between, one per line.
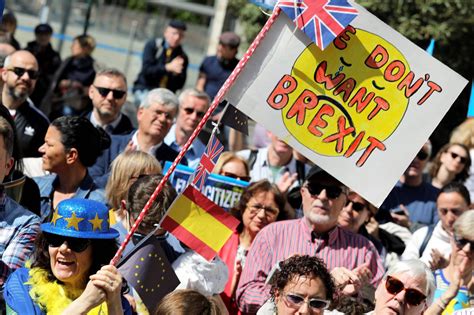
317 218
17 94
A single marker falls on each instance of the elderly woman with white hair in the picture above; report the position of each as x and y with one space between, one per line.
407 288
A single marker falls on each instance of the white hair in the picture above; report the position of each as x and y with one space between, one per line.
417 269
193 92
162 96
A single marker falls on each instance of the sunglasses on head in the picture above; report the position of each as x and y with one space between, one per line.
412 296
75 244
422 155
461 242
356 206
232 175
295 301
33 74
190 111
332 192
117 94
462 159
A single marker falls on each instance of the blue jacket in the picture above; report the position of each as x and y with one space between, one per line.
87 190
18 300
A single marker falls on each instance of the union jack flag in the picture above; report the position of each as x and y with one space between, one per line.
320 20
208 161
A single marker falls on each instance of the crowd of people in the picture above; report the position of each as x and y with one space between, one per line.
76 173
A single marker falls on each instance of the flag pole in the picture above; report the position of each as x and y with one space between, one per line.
228 83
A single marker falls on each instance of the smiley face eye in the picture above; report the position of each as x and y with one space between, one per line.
344 62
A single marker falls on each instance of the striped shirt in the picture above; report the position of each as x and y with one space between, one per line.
281 240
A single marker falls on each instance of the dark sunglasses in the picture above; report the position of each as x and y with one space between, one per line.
117 94
332 192
462 159
232 175
189 111
461 242
422 155
33 74
356 206
412 296
296 301
75 244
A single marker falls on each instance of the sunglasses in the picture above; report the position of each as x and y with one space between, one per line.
412 296
33 74
295 301
462 159
332 192
461 242
422 155
117 94
356 206
75 244
232 175
190 111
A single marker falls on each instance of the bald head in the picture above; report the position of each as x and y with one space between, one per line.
20 75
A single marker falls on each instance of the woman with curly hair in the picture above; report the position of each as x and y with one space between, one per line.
451 164
301 285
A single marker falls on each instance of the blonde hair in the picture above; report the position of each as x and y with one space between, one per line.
464 133
463 225
187 302
128 165
227 157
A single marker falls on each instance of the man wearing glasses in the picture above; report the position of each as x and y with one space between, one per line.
19 77
193 104
351 258
108 93
412 202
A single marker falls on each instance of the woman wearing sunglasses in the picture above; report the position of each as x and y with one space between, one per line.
407 288
69 272
261 204
301 285
450 164
71 145
357 216
455 284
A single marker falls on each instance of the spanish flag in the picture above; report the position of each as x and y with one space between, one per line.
199 223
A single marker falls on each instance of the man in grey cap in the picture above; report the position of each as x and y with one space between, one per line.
214 70
164 62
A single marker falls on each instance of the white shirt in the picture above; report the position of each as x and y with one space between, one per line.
152 150
440 240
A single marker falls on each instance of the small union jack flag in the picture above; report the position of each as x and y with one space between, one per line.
208 161
320 20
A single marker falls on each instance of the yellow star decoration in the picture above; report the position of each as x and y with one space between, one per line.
73 221
96 223
56 217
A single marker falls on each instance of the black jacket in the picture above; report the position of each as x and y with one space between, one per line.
31 126
153 67
124 126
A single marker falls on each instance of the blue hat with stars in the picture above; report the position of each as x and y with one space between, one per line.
81 218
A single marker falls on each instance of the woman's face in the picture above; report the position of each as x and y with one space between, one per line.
296 295
54 154
69 266
354 214
261 210
235 169
463 251
454 159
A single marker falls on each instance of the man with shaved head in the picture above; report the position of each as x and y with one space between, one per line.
19 76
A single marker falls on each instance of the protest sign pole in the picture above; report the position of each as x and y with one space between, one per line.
228 83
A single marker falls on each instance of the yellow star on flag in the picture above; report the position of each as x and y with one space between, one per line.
56 217
73 221
96 223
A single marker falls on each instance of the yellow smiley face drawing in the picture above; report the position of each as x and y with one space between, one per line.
356 88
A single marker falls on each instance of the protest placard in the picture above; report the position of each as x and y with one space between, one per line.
222 190
361 109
